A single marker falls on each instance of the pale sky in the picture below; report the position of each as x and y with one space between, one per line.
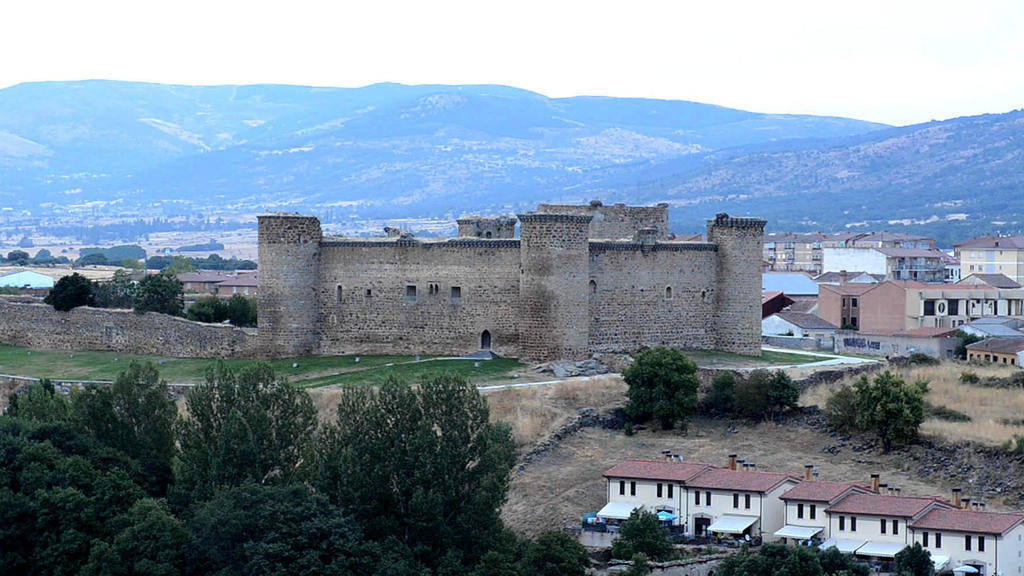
892 61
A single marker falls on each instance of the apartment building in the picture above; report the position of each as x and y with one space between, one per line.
917 264
992 255
892 307
792 252
1008 351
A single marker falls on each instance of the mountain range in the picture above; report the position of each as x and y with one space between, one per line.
394 151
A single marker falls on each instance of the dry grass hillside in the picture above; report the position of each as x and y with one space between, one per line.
996 413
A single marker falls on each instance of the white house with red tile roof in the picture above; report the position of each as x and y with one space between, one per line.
989 542
805 516
738 502
650 485
879 524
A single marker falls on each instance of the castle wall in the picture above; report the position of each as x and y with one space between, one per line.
617 221
737 318
553 313
40 326
645 296
289 254
376 316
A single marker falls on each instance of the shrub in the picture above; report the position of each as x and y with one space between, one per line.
841 409
642 534
70 292
723 393
890 408
752 393
208 309
920 359
944 413
969 377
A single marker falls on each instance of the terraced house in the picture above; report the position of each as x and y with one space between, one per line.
871 521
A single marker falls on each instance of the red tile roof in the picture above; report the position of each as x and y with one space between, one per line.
725 479
1008 242
998 345
968 521
821 491
879 505
656 470
247 280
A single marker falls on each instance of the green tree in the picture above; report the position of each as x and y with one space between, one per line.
275 531
94 259
914 561
70 292
783 393
180 265
841 409
208 309
118 292
890 408
642 534
135 416
752 393
963 340
41 403
662 385
18 257
43 256
131 263
249 427
421 465
555 554
640 565
241 311
723 392
161 293
147 540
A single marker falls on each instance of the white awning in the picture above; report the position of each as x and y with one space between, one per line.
798 532
732 524
880 549
844 546
940 562
965 569
617 510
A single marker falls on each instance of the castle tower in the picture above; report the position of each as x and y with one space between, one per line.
289 257
554 274
737 318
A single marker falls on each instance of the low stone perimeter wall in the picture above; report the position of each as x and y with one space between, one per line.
40 326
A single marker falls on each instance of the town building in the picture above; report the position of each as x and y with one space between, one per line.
772 302
997 351
991 280
789 252
872 521
578 280
993 255
995 327
897 263
26 279
799 325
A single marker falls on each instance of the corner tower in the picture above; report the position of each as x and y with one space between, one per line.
289 261
737 317
553 277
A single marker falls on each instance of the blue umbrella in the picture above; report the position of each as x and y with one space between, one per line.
666 516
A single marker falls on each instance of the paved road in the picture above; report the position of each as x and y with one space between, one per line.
827 359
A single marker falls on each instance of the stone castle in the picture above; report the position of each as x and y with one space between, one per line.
578 280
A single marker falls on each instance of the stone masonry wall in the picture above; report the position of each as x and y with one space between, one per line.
645 296
364 307
617 221
553 306
40 326
289 254
737 320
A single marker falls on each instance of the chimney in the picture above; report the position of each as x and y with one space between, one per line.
874 482
956 497
732 462
815 474
883 488
981 505
808 468
898 490
967 503
752 466
843 277
741 463
667 455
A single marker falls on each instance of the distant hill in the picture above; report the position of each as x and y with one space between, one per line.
951 179
385 150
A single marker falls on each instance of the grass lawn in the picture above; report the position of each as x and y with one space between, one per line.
476 371
90 365
768 358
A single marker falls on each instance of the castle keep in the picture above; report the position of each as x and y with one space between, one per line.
578 280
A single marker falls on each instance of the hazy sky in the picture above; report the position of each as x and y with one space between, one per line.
890 61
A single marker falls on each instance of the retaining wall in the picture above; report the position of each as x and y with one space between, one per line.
40 326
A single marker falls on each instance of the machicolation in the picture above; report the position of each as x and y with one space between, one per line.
578 280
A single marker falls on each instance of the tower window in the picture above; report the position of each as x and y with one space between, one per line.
668 293
410 292
338 294
455 294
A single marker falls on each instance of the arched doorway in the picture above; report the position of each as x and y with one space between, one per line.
485 340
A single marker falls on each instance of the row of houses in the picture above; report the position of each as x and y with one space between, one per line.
220 284
869 519
895 256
